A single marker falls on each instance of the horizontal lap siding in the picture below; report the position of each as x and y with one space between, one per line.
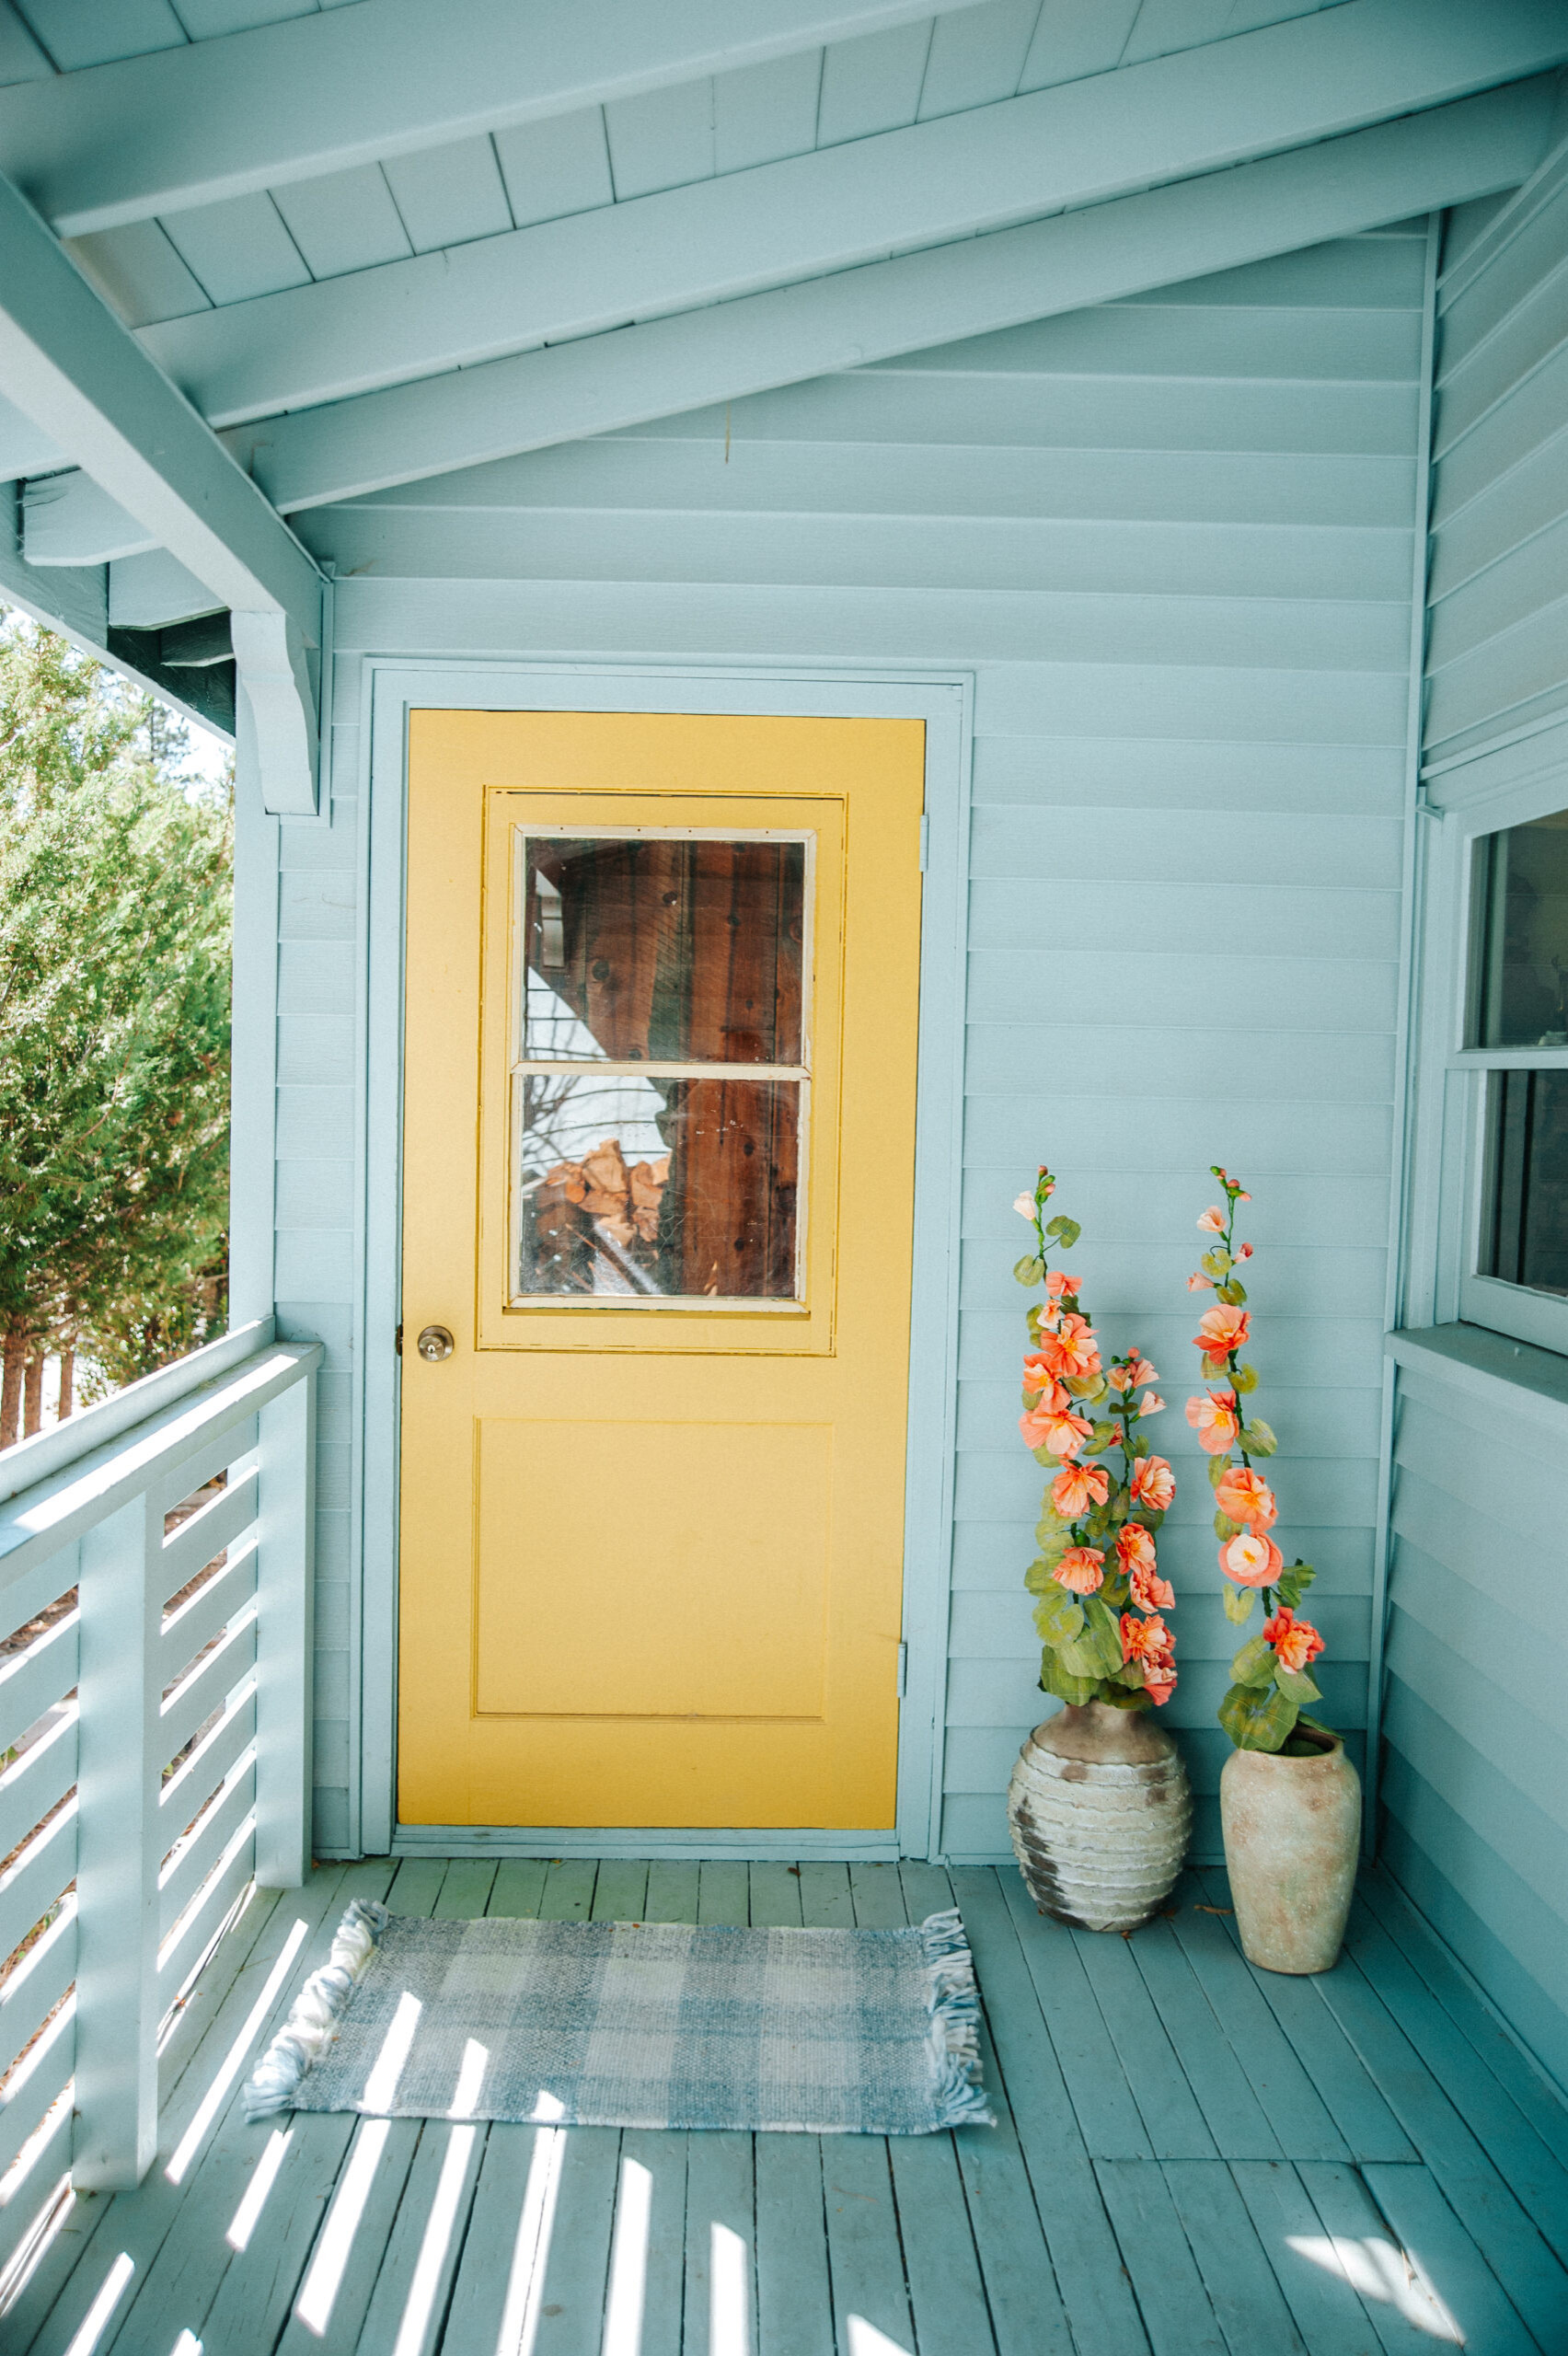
1497 651
1172 540
1475 1788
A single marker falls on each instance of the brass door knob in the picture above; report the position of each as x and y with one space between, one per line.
434 1343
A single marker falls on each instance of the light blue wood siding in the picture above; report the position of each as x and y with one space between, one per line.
1171 540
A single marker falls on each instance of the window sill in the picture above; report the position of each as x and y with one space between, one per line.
1519 1378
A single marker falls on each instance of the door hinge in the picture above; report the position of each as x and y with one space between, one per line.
925 842
398 1341
903 1670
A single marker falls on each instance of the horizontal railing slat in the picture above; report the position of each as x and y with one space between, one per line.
212 1527
40 1776
208 1686
29 1887
225 1595
207 1910
192 1470
29 2095
39 1981
197 1778
31 1680
22 2203
191 1861
48 1580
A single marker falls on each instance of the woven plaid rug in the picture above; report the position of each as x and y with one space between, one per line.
635 2024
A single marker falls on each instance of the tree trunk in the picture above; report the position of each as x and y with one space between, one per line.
67 1381
32 1395
16 1357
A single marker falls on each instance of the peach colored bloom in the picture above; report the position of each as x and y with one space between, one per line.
1047 1428
1025 1205
1251 1560
1073 1490
1153 1483
1246 1497
1128 1377
1222 1330
1212 1220
1237 1193
1059 1285
1037 1376
1082 1570
1135 1547
1199 1283
1148 1639
1214 1417
1151 1592
1151 1403
1069 1350
1160 1689
1243 1251
1296 1641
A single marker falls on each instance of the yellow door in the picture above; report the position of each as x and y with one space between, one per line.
658 1176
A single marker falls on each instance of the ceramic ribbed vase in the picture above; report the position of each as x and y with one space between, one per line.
1100 1810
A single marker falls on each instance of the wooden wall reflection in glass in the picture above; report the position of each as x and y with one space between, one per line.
662 1067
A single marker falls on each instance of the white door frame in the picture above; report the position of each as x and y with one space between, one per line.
944 701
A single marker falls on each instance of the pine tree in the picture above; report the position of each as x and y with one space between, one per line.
114 1007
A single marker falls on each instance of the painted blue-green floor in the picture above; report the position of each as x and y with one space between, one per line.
1191 2158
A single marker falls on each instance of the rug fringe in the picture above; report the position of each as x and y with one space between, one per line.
954 2041
316 2011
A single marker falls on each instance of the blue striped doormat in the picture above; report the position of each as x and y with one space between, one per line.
635 2024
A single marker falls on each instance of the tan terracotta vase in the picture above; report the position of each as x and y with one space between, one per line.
1100 1811
1292 1833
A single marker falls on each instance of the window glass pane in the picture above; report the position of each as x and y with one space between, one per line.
664 950
631 1188
1526 1239
1524 977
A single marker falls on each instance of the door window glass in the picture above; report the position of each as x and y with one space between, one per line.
660 1086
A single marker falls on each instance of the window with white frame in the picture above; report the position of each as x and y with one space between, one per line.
1510 1061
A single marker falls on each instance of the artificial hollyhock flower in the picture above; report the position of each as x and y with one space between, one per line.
1237 1193
1243 1252
1250 1559
1212 1220
1296 1641
1059 1285
1025 1205
1061 1435
1213 1415
1128 1376
1038 1376
1151 1592
1069 1350
1246 1497
1159 1680
1078 1486
1148 1639
1199 1283
1222 1330
1153 1483
1080 1570
1135 1547
1151 1403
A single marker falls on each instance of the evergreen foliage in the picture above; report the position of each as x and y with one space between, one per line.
115 907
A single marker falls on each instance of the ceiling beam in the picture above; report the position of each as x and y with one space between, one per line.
1337 189
67 363
318 93
1313 78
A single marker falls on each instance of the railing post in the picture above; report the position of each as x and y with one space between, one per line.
118 1851
285 1649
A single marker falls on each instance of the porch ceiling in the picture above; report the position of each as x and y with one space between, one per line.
374 243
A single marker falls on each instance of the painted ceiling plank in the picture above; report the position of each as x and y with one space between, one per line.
317 94
66 362
1310 79
908 304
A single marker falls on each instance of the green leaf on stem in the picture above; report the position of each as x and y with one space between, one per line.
1058 1616
1239 1602
1258 1438
1102 1437
1215 1263
1055 1679
1225 1527
1116 1589
1244 1378
1218 1466
1235 1292
1029 1271
1064 1230
1298 1684
1254 1664
1293 1584
1257 1719
1085 1387
1142 1444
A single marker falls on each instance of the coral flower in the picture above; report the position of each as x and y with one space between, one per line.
1243 1251
1214 1417
1136 1369
1038 1376
1237 1193
1148 1639
1070 1350
1082 1570
1246 1497
1047 1428
1151 1592
1296 1641
1153 1483
1251 1560
1199 1283
1059 1285
1212 1220
1222 1330
1151 1403
1135 1547
1073 1490
1160 1687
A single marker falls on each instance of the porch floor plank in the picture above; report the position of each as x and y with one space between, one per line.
1192 2158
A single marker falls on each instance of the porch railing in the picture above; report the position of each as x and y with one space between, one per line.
155 1610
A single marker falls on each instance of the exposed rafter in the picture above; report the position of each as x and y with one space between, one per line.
290 102
67 363
1420 164
1313 78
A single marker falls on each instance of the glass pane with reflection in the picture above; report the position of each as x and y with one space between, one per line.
1524 977
657 1189
659 949
1527 1229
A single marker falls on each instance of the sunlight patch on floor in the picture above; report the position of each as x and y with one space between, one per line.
207 2109
729 2293
437 2241
628 2262
256 2191
95 2323
865 2340
314 2305
1379 2270
530 2255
